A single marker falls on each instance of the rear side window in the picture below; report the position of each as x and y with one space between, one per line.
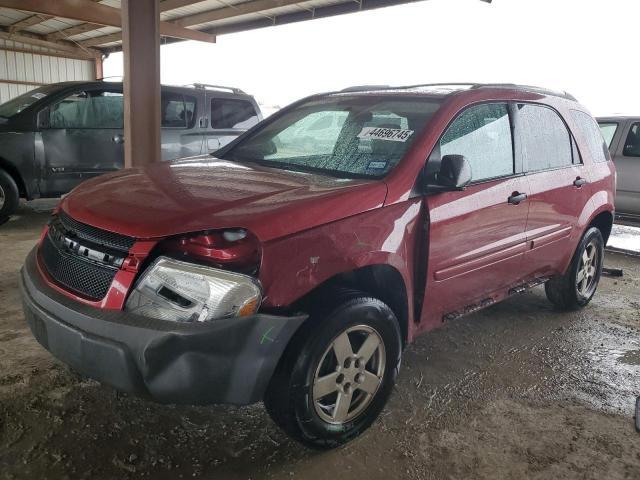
483 135
232 113
632 144
178 111
544 138
598 148
91 109
608 131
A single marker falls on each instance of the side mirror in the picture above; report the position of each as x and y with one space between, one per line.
455 174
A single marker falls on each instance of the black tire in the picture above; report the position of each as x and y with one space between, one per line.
9 196
289 396
564 291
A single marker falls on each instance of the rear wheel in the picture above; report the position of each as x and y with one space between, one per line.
576 288
9 196
337 374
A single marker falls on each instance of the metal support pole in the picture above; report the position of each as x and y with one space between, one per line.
141 47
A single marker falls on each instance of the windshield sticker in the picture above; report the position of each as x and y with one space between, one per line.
377 165
39 96
392 134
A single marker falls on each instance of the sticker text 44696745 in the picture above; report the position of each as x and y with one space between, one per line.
392 134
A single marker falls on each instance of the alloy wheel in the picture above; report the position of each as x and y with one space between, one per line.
349 374
586 276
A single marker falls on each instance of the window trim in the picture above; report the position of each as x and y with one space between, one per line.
633 124
508 104
525 164
75 92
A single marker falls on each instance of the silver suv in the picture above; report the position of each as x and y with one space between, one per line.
68 132
622 135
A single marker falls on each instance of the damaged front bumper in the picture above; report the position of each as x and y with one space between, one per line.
224 361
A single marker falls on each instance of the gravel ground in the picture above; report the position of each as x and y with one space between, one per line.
515 391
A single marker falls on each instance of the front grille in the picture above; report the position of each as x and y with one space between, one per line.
95 235
83 258
72 271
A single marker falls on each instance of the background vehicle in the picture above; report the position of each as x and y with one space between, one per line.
296 272
622 135
54 137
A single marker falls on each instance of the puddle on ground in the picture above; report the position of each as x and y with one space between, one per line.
632 357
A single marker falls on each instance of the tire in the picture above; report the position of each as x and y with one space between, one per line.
9 196
575 289
312 354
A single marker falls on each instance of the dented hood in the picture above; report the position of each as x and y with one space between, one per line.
169 198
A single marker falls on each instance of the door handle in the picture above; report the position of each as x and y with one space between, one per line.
578 182
516 198
118 138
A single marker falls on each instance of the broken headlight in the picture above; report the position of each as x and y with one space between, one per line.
186 292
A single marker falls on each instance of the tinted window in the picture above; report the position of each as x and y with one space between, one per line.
544 137
608 131
232 113
177 110
483 135
632 144
92 109
342 136
598 148
16 105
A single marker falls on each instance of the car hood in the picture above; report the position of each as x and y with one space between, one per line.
202 193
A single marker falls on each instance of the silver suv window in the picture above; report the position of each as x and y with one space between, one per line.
232 113
632 144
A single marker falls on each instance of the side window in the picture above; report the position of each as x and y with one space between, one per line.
92 109
546 142
608 131
591 133
632 144
177 110
483 135
232 113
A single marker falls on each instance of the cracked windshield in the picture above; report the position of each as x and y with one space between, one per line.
348 137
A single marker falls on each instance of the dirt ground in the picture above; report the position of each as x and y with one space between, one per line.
515 391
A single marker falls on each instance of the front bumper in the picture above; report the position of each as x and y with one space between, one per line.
226 361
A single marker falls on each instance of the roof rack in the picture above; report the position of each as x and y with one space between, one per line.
206 86
461 85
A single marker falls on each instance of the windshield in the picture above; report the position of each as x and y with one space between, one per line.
16 105
343 136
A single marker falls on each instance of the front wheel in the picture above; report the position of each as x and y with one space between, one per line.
576 288
337 374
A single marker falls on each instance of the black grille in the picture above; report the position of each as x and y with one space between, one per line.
74 272
95 235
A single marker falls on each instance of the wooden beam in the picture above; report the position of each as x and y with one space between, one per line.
91 12
166 5
141 46
71 31
253 6
22 82
65 47
99 70
44 53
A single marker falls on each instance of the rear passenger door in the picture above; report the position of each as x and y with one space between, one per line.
558 188
229 117
476 236
180 138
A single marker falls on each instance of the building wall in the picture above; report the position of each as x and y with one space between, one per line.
30 67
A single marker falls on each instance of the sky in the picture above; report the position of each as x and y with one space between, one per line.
586 47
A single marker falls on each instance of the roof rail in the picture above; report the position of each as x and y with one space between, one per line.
461 85
206 86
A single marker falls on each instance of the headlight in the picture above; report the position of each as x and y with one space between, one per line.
185 292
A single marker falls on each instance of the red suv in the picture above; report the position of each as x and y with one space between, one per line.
296 265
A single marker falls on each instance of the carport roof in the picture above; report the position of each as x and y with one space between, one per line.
66 25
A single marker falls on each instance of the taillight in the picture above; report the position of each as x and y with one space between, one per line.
235 249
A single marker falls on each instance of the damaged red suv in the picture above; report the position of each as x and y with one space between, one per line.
295 265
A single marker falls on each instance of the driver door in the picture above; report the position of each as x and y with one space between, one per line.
83 138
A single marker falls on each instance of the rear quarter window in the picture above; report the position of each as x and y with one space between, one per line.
233 113
590 132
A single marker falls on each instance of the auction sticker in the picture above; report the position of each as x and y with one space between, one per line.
379 133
